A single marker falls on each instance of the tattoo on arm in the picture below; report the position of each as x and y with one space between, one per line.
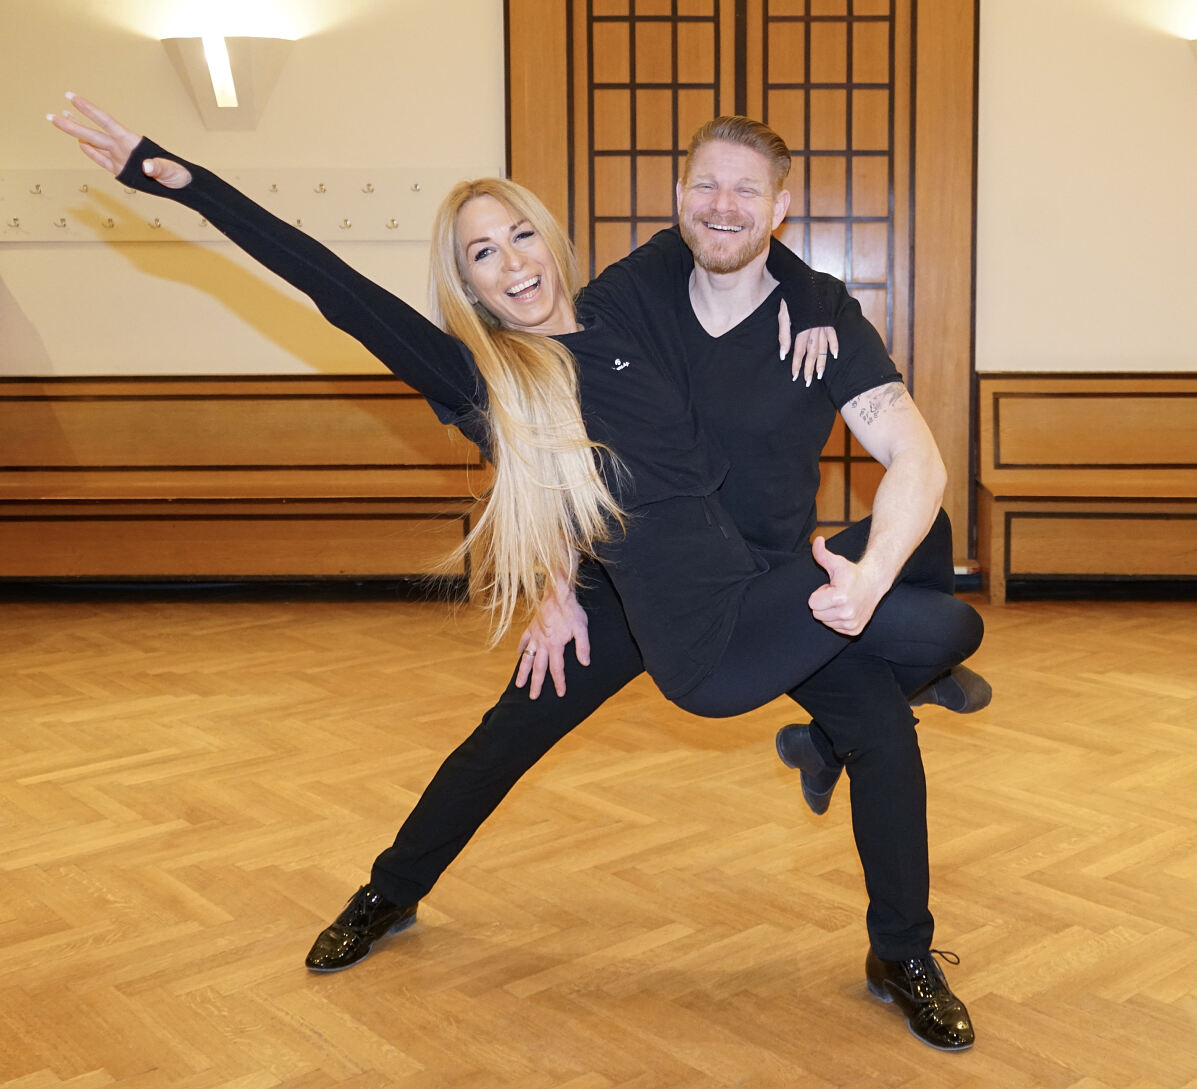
869 406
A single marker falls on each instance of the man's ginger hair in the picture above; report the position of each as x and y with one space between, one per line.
733 129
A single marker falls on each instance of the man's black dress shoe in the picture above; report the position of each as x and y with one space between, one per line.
933 1013
367 917
797 750
960 690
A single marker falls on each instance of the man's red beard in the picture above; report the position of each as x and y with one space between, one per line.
726 258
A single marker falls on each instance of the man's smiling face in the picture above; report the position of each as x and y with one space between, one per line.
728 205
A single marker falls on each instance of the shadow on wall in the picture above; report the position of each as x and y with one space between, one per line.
22 350
292 325
289 323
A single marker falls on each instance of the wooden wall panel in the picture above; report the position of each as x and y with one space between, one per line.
197 543
1115 544
1101 428
1045 430
1086 477
539 101
285 432
200 478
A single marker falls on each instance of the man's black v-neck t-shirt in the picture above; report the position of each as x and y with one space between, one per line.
771 429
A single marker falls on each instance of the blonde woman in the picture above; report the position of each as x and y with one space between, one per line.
587 417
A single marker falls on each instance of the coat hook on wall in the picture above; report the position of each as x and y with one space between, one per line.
60 221
273 188
416 187
320 188
14 222
345 224
37 190
83 188
368 188
392 224
156 223
108 222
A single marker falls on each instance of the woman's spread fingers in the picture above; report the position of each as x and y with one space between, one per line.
110 147
799 359
66 123
812 354
98 156
819 351
90 109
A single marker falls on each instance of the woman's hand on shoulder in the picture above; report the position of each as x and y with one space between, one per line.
811 346
110 144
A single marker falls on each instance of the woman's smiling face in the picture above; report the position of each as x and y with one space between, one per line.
509 269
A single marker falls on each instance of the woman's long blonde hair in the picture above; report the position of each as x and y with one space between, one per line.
549 500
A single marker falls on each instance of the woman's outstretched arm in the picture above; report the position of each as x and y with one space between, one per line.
400 337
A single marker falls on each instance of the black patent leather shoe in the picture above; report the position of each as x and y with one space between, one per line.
960 690
933 1013
367 917
797 750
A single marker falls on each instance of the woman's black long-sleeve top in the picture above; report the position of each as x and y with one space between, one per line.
681 567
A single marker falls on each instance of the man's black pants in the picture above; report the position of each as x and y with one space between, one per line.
856 690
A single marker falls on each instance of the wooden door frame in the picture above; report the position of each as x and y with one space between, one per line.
943 265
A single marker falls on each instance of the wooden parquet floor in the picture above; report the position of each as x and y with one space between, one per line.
190 790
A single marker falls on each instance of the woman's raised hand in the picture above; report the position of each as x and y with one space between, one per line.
111 144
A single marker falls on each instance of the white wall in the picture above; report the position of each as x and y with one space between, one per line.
1087 189
370 83
1087 186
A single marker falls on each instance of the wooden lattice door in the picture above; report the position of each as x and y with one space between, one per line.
876 107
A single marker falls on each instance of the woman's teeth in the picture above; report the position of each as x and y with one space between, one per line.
527 285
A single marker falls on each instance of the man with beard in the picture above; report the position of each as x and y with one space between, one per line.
723 311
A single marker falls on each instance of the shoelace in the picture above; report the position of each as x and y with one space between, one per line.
927 967
361 902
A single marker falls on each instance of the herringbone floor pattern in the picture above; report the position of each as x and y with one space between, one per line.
190 790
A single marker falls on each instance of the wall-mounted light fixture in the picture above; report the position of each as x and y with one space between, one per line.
229 79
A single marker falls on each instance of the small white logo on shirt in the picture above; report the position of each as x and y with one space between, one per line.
620 364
